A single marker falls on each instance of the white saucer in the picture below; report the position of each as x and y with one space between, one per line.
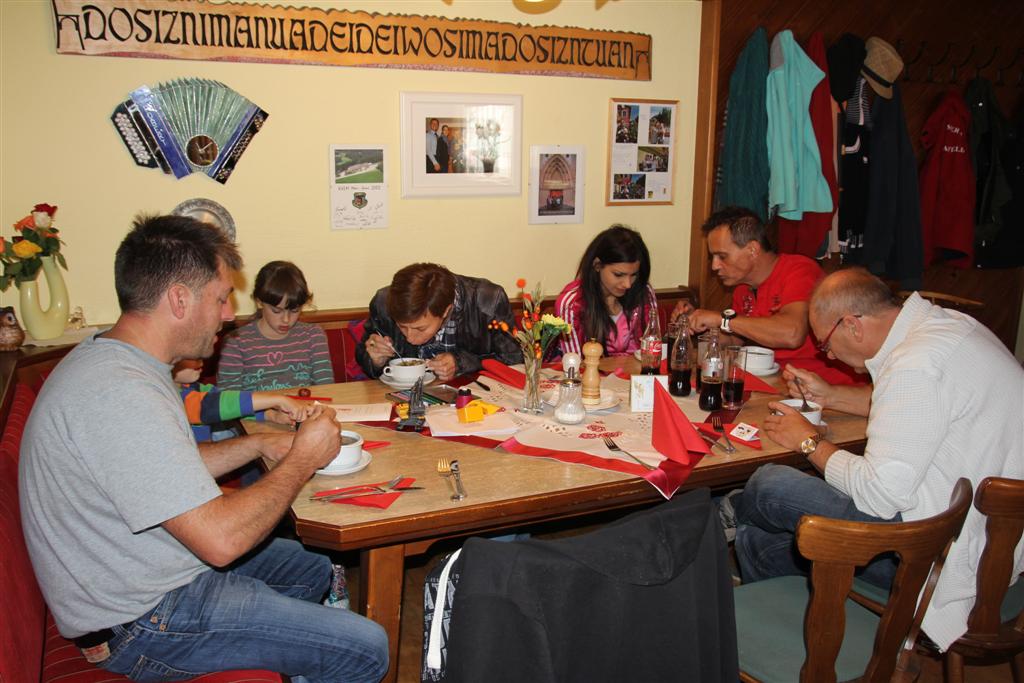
428 377
363 461
609 399
763 373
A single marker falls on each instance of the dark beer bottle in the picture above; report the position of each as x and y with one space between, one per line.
711 375
679 362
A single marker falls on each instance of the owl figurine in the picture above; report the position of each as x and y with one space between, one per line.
11 334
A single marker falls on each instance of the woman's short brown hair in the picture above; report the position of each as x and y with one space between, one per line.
418 289
281 284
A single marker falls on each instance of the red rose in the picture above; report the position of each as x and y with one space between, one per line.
46 208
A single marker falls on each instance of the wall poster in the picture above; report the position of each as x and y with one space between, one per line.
556 184
641 152
359 192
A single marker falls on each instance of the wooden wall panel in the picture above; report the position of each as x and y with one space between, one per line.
932 31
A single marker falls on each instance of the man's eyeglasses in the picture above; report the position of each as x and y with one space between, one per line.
824 346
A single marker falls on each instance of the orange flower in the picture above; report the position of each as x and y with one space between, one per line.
26 222
527 325
520 283
527 296
504 326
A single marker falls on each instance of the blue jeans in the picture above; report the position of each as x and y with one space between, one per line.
768 511
261 613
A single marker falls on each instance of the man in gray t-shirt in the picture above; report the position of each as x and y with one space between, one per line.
142 560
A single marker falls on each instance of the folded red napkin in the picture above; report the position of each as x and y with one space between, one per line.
370 445
706 428
495 369
752 382
380 500
672 433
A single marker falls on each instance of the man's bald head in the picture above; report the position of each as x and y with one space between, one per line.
852 291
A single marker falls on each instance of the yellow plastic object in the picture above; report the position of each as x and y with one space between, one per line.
402 410
471 412
488 408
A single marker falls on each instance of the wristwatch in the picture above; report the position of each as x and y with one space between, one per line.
810 444
727 315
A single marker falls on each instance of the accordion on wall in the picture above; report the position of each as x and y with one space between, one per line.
189 125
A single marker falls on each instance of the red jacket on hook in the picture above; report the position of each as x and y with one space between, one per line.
947 185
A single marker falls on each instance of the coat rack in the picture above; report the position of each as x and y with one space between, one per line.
972 61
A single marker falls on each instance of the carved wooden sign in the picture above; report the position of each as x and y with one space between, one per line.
195 29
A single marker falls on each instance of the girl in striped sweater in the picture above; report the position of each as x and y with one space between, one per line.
275 350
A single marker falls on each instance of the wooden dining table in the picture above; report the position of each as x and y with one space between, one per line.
505 491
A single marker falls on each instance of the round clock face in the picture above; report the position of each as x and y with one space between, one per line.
201 150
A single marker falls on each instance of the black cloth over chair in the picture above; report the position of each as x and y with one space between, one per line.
647 598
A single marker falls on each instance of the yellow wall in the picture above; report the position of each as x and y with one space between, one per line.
58 146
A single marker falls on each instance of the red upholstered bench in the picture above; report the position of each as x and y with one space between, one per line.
31 649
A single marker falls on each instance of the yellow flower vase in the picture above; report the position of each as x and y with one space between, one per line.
51 322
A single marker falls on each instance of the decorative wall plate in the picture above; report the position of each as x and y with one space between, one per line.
188 125
207 211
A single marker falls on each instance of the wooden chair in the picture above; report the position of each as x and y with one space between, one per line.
958 303
833 636
995 627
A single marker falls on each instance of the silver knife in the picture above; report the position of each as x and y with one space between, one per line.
360 494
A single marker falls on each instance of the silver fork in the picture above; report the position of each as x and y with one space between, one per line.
612 446
448 470
716 423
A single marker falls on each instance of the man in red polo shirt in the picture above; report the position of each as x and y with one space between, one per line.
769 302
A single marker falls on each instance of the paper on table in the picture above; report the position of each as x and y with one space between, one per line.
443 421
369 412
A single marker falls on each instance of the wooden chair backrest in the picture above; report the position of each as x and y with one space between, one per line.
838 547
1002 503
946 300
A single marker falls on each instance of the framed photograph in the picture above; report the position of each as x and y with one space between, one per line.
461 144
358 190
641 151
556 184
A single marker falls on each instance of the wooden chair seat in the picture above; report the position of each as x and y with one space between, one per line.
794 628
785 598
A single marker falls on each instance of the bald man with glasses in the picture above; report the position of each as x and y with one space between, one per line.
945 402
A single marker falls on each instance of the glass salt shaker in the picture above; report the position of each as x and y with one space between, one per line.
570 408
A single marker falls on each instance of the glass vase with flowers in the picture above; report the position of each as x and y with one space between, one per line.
534 335
36 247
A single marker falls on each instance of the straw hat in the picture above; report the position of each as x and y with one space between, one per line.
882 66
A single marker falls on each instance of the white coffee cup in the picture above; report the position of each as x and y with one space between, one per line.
813 416
759 359
349 454
406 370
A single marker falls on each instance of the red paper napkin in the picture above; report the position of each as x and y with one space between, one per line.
672 433
710 431
495 369
382 500
752 382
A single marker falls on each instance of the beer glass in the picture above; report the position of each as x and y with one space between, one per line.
732 380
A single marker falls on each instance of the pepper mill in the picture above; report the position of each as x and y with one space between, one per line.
592 352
